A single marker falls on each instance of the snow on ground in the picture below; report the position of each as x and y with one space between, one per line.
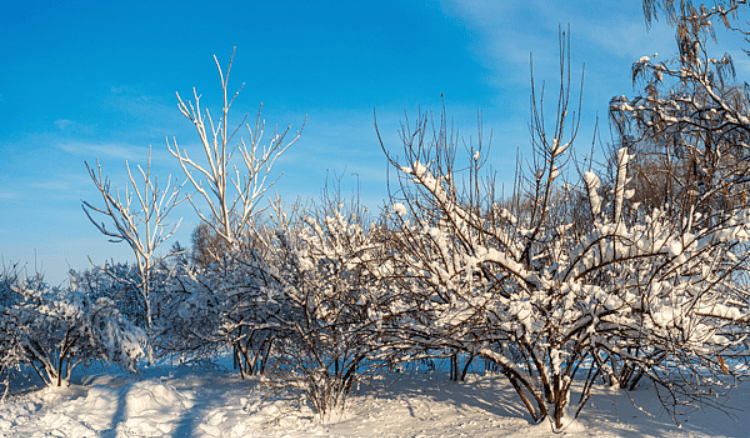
203 402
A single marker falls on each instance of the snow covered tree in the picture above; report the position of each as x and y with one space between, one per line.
526 287
228 285
689 128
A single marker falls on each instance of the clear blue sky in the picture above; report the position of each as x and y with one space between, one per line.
86 80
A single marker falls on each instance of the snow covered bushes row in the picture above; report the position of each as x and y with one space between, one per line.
630 292
634 270
53 330
567 280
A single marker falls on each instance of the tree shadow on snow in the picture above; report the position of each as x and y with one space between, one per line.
189 420
489 393
608 411
119 415
618 411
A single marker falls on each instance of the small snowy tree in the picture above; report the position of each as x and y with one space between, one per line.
141 225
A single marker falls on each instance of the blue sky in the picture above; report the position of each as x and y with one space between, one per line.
87 80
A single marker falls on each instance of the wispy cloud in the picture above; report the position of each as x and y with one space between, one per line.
73 127
130 93
68 183
62 123
510 31
8 195
106 150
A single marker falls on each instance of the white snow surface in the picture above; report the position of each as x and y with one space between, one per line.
200 402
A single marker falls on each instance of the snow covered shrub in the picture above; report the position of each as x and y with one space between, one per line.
322 263
12 354
116 282
652 288
11 351
690 129
58 329
226 304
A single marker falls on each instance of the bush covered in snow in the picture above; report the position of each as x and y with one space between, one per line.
53 330
570 279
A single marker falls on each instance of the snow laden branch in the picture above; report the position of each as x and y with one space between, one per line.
229 214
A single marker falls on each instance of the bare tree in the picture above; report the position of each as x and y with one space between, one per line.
140 224
229 215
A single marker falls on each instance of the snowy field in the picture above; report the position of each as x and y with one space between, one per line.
171 401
